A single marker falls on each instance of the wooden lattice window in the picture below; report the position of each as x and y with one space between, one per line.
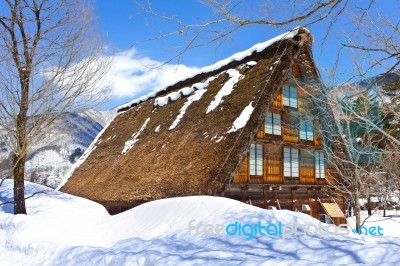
273 124
256 159
319 164
306 129
290 96
291 162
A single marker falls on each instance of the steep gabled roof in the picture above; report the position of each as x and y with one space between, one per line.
189 138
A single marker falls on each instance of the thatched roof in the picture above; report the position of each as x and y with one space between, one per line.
189 138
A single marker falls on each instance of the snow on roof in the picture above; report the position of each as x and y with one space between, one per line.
195 97
236 57
135 137
235 76
175 95
241 121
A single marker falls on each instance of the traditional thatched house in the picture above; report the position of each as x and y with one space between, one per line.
237 129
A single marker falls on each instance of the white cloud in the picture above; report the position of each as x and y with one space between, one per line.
133 75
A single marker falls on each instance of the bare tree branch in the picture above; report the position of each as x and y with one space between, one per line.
51 61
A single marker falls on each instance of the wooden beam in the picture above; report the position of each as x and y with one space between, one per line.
292 195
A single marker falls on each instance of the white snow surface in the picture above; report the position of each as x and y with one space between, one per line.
200 90
236 57
243 118
195 97
135 137
235 76
62 229
251 63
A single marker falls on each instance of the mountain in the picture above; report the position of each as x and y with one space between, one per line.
55 150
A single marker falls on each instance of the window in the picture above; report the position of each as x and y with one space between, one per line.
307 159
319 164
291 162
273 123
290 97
325 218
306 130
256 159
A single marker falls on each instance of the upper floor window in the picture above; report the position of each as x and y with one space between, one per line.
290 96
319 164
291 162
256 159
273 124
307 159
306 129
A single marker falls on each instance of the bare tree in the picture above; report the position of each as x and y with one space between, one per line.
50 62
351 123
361 18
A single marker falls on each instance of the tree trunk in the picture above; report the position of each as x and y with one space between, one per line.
357 211
20 155
19 187
369 205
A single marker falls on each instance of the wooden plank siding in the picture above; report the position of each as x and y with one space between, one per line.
273 145
273 164
273 188
278 101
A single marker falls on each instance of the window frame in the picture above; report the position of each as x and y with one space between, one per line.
290 97
319 164
273 128
291 164
306 134
307 159
258 157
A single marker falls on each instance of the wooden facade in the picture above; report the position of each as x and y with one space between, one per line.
286 166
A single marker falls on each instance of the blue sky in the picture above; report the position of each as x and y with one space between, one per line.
124 28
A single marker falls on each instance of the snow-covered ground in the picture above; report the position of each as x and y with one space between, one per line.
61 229
390 223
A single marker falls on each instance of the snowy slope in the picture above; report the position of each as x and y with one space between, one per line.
55 151
61 229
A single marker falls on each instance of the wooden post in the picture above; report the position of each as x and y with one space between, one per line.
309 202
292 195
243 193
265 197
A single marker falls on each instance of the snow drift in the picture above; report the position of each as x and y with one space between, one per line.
64 229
